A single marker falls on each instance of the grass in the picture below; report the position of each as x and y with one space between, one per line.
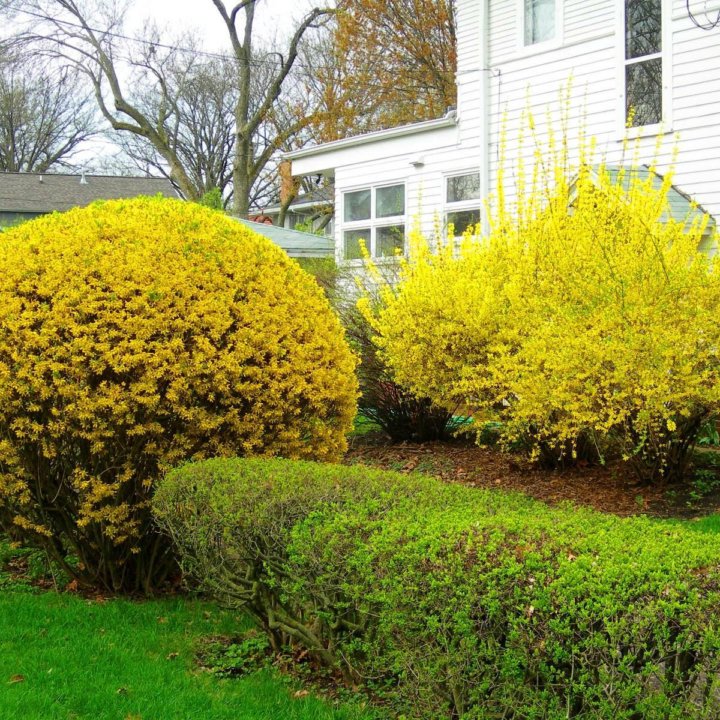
363 425
66 658
708 524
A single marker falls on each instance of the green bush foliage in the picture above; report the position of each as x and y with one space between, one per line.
459 603
584 320
135 335
402 415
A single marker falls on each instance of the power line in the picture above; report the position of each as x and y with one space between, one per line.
178 48
708 24
142 41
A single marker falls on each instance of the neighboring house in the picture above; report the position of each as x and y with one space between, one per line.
295 243
24 196
312 211
515 54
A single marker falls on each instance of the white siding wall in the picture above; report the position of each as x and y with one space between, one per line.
589 52
470 69
589 58
424 186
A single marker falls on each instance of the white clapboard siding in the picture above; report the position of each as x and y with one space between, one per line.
424 186
588 56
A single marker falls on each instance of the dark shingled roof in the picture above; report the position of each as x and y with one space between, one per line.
34 193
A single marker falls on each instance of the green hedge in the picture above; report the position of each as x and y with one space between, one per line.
458 602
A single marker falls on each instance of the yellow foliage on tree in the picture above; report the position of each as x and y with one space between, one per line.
586 320
392 62
139 334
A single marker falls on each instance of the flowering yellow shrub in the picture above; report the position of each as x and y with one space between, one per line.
135 335
586 320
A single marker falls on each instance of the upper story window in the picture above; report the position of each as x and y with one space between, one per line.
643 60
374 216
540 20
462 202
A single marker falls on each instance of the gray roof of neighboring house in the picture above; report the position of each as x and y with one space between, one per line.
295 243
682 208
35 193
681 205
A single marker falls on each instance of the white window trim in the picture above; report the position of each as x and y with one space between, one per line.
373 223
665 126
552 44
461 205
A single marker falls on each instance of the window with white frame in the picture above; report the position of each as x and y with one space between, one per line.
540 20
462 202
374 216
643 62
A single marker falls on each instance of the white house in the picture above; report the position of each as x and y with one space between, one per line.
613 54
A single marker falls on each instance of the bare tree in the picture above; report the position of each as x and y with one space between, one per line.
247 164
90 34
194 98
45 115
202 93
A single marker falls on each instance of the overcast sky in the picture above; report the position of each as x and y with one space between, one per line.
273 17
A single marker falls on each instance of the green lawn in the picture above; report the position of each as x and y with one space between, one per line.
65 658
62 657
707 524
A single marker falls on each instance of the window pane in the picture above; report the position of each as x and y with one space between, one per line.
462 220
463 187
390 201
539 21
352 243
357 205
643 83
390 240
643 27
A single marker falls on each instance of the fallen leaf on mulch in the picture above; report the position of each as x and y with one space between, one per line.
611 488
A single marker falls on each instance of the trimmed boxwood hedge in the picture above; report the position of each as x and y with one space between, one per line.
458 602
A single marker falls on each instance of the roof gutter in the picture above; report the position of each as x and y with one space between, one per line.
449 120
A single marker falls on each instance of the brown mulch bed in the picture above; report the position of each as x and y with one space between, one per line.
611 489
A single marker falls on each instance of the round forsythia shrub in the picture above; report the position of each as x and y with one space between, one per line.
136 335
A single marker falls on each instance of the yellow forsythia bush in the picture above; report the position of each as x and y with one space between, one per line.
135 335
586 321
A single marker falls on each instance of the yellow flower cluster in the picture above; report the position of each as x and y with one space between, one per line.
135 335
588 314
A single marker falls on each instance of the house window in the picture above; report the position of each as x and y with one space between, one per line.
375 217
643 61
462 202
539 21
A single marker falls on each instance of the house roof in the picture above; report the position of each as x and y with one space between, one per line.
35 193
681 207
295 243
449 120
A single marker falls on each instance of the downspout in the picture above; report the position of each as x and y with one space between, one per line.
485 106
